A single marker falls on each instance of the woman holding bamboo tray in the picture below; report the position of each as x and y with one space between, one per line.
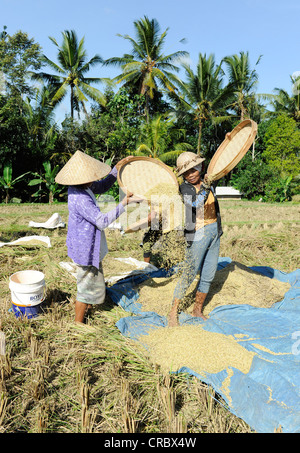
202 232
86 241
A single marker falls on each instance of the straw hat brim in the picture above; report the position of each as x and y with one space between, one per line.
82 169
189 164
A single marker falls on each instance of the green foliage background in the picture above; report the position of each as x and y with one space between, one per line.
149 111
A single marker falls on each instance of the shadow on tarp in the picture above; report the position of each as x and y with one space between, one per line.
268 396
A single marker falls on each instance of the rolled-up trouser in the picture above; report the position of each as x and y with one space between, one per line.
201 257
90 285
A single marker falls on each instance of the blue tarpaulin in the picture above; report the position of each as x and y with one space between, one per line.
268 396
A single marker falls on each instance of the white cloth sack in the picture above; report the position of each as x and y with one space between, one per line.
28 239
141 266
55 221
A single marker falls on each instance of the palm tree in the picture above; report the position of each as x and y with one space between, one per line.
284 103
158 137
147 68
203 93
244 80
71 68
40 122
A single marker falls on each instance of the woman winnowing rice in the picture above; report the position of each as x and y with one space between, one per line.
86 241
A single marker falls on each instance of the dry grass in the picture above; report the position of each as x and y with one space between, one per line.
262 234
57 376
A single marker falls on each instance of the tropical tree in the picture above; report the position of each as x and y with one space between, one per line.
282 144
147 68
71 71
48 179
41 125
109 131
7 181
203 93
244 80
19 55
160 139
279 189
284 103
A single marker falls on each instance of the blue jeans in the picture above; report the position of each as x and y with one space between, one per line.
201 257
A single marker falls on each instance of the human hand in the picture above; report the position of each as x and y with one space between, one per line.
130 198
207 180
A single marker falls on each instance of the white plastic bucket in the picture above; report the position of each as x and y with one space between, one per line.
27 288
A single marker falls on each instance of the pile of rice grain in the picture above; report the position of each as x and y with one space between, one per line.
238 284
195 348
235 284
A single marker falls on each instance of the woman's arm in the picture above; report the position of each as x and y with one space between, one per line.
105 184
87 209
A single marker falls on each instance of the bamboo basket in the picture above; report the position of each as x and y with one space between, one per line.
232 149
141 174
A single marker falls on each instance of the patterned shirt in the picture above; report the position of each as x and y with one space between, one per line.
86 221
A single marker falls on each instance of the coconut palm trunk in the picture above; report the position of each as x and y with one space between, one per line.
72 102
199 136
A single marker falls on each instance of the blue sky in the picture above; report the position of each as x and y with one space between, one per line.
262 27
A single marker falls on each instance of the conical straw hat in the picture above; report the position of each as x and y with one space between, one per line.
186 161
81 169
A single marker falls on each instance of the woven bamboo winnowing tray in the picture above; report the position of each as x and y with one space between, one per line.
232 149
141 174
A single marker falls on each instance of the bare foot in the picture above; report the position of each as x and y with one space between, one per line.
198 307
198 314
173 318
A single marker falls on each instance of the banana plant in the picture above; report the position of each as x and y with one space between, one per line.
49 180
7 181
286 192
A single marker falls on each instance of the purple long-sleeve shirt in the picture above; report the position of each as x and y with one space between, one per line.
86 221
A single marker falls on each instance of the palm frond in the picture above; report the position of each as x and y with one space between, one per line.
93 62
170 157
93 93
116 61
53 65
60 93
147 65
